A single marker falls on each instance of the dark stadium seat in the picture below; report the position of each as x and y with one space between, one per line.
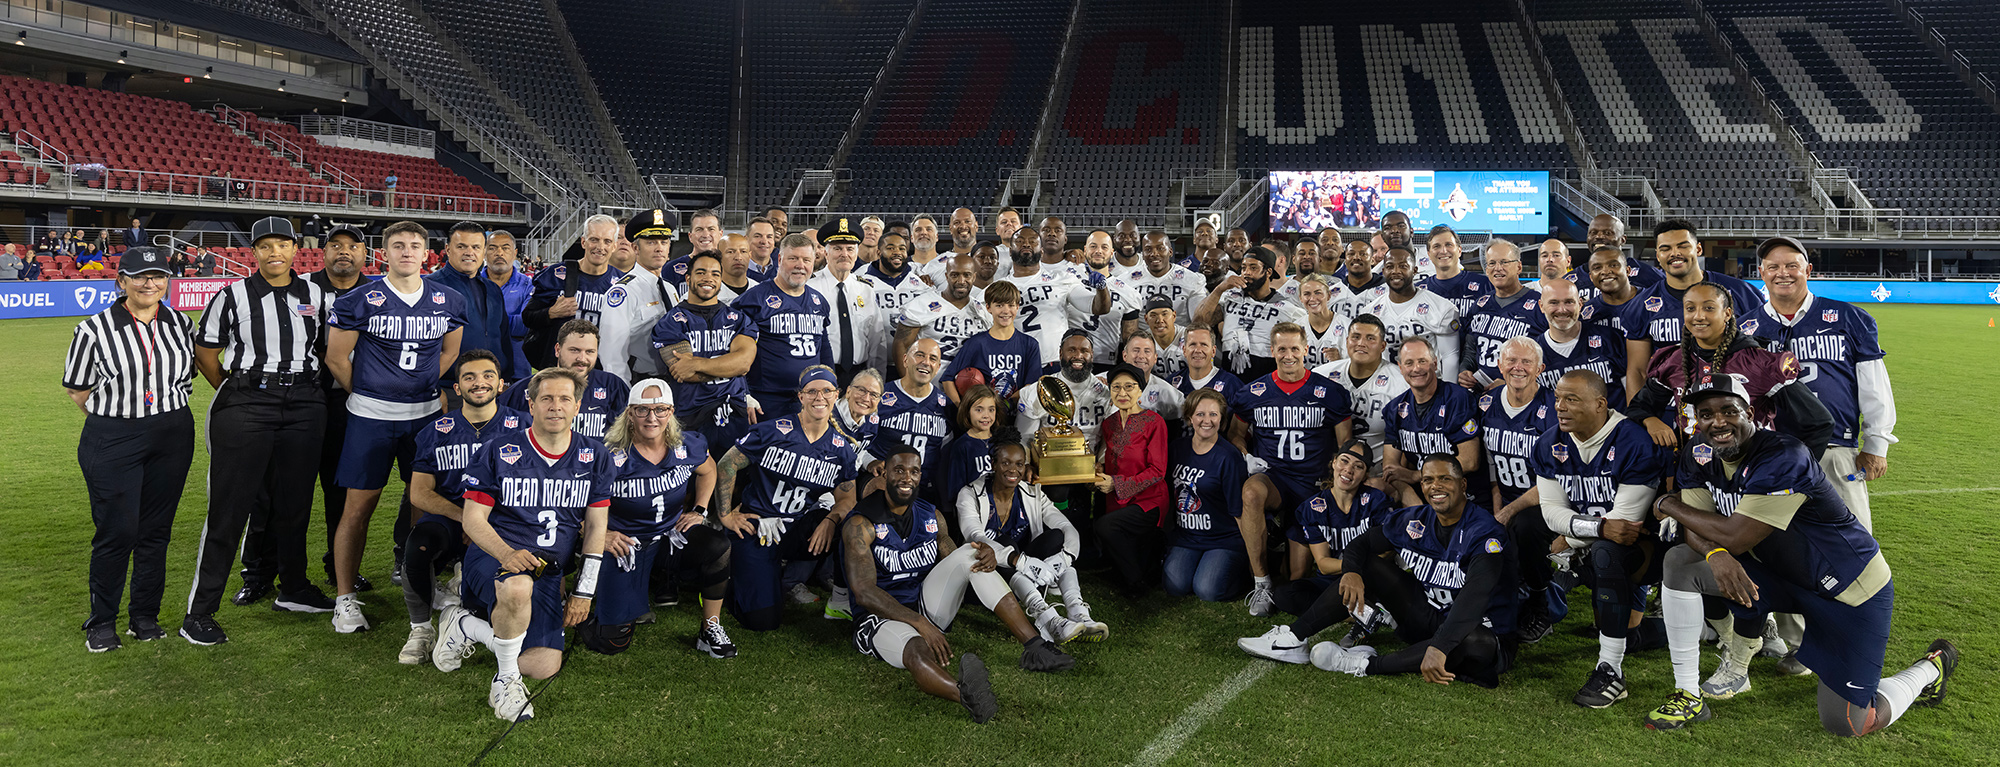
663 69
810 65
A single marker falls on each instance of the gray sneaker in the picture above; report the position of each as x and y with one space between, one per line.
1728 681
1260 602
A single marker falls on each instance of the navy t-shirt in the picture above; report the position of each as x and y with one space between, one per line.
1207 495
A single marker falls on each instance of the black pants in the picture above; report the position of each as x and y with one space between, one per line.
260 552
1130 537
704 562
264 450
1479 658
1614 571
1532 538
135 469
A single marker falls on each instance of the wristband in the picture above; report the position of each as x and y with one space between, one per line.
1586 526
1718 550
586 583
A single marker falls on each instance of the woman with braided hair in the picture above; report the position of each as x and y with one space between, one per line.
1712 343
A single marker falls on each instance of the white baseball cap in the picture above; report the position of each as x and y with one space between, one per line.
666 393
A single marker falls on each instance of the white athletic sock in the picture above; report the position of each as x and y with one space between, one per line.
508 653
478 630
1032 602
1262 580
1611 651
424 625
1683 613
1072 592
1723 626
841 598
1901 690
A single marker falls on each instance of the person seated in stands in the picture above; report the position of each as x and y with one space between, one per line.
11 266
88 256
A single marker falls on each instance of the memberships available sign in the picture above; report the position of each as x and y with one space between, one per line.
64 298
192 294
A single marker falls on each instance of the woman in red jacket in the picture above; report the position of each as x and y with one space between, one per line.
1133 473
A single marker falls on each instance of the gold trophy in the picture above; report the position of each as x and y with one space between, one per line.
1060 451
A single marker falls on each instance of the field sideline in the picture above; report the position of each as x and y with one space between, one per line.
287 690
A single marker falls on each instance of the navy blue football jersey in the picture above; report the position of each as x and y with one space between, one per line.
1821 545
1510 438
1014 531
1292 424
1009 365
398 357
1489 324
920 422
1627 457
1829 339
1464 291
966 458
1439 564
1220 380
603 399
539 499
446 448
1655 314
648 498
793 470
708 331
1434 426
791 334
1321 519
905 549
590 290
1207 495
1597 349
1600 313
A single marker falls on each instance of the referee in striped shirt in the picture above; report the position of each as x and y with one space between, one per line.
129 369
258 344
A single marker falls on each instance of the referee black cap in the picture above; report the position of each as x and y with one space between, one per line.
840 231
658 222
272 226
141 260
1716 387
351 230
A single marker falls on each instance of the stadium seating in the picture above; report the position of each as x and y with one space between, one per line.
154 145
1377 87
965 103
416 177
514 42
663 69
1145 99
1867 95
810 65
1653 98
1970 27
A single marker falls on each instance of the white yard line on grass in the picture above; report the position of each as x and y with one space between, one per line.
1169 741
1937 491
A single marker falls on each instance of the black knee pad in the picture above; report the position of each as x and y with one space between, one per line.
1048 544
603 639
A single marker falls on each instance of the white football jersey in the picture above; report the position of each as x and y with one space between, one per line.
1427 314
1349 303
936 319
1369 398
1182 287
1325 347
1093 403
1045 298
1106 330
1246 322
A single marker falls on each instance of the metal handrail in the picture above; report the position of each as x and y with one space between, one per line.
49 153
183 186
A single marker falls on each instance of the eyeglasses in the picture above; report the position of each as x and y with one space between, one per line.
1125 387
868 393
148 277
657 411
818 393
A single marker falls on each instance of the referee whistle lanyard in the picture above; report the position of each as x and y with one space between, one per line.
152 338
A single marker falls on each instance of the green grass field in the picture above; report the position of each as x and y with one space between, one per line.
287 690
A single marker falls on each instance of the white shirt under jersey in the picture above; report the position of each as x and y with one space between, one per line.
936 319
1322 348
1428 314
1246 324
1180 286
1369 398
1093 403
1045 298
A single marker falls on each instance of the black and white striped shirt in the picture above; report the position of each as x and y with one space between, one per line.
132 369
263 329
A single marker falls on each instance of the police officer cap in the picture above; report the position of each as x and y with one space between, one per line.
840 231
657 222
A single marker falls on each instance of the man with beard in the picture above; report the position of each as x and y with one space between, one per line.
1408 311
1234 246
947 316
346 252
572 290
638 299
1608 231
1244 308
1653 318
909 581
1198 349
1306 253
1048 288
502 269
789 320
1214 267
892 269
1512 310
1107 331
986 264
1450 278
1125 246
1093 397
486 322
1358 285
964 237
603 396
1288 423
856 326
1396 233
914 412
1168 281
1370 384
707 347
924 239
1610 292
1572 344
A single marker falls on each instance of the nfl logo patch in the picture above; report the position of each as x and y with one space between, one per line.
930 525
1596 342
732 316
597 393
1415 529
616 297
510 453
585 455
1319 391
1541 413
784 426
443 425
1653 304
881 531
1610 454
1530 306
1561 452
1829 316
1423 308
1382 380
773 302
681 452
838 442
437 298
511 422
376 297
1702 454
1318 503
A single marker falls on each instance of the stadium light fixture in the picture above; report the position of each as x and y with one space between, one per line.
343 96
208 75
281 86
23 39
122 55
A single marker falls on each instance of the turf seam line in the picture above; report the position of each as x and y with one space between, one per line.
1170 740
1937 491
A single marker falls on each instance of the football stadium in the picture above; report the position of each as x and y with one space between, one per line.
798 382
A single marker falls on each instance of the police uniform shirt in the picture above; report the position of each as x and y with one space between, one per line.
632 306
265 329
1368 397
1509 434
866 342
133 369
1840 355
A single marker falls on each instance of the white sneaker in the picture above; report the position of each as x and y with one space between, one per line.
1058 629
1774 645
802 595
1093 630
1260 601
1728 681
509 699
418 648
452 645
347 617
446 594
1330 656
1278 644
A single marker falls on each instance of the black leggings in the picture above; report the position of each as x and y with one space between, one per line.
704 561
1130 538
431 548
1613 571
1532 539
1479 658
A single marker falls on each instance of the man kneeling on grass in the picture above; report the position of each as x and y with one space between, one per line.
908 580
1450 586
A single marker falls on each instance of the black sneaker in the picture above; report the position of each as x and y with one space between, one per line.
1040 655
202 630
715 641
975 692
252 592
1604 688
144 629
102 637
1535 627
307 600
1945 655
